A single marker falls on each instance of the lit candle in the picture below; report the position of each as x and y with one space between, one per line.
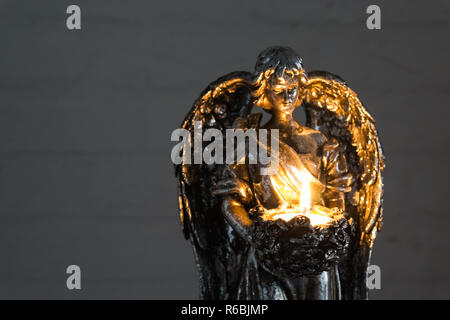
317 216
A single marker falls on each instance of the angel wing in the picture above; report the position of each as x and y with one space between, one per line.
217 248
335 110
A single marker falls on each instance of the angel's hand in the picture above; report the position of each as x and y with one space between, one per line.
235 193
234 187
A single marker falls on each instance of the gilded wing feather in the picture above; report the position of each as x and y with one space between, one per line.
217 107
203 224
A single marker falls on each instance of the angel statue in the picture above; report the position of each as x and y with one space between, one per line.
306 230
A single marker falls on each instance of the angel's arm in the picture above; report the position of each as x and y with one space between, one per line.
236 196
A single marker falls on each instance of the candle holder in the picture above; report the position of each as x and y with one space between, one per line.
290 244
301 225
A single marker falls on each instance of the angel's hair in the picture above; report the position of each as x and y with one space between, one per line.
275 62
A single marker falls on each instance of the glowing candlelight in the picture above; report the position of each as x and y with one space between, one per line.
293 186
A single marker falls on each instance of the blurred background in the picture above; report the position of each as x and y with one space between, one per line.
86 117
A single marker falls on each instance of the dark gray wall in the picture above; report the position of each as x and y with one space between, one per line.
86 117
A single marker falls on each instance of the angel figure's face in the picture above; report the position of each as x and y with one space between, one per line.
283 93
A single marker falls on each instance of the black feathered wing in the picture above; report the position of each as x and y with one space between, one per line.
217 249
335 110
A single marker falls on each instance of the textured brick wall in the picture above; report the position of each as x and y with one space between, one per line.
86 116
